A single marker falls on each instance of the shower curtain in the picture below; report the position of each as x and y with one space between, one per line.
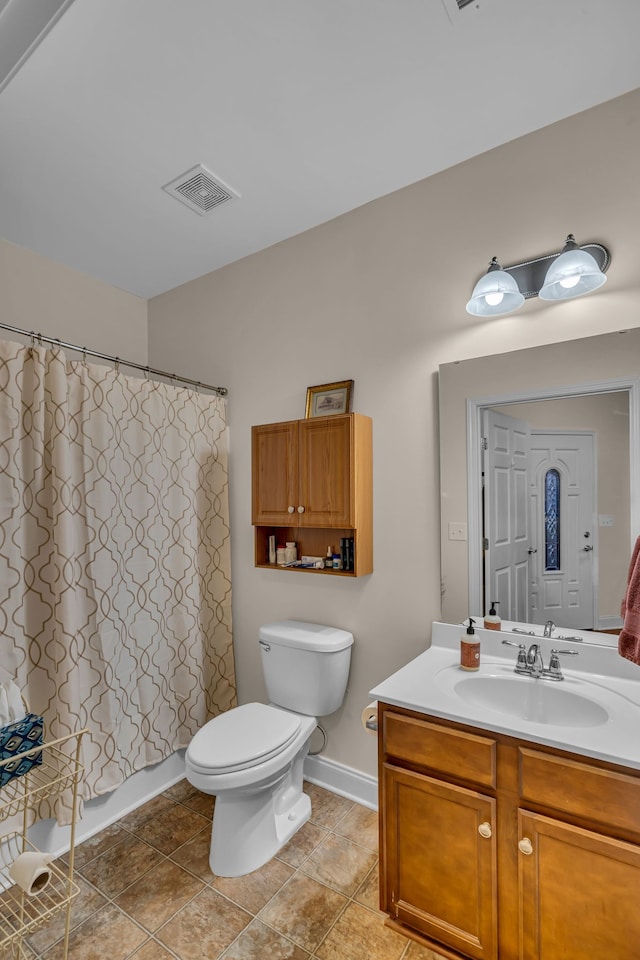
115 581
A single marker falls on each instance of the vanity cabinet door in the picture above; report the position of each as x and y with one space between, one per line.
577 891
439 861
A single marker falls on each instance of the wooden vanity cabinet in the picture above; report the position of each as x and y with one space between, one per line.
312 483
491 847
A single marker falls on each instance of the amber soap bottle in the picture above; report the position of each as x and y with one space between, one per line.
470 648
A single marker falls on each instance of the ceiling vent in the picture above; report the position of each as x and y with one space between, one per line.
455 7
200 190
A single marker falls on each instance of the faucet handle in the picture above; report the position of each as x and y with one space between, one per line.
555 672
521 662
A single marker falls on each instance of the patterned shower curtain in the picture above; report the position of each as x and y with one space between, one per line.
115 582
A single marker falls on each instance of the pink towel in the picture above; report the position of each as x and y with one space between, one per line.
629 639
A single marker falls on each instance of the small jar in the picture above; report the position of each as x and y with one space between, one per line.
337 561
290 552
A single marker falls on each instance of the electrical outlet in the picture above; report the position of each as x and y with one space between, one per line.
605 520
457 531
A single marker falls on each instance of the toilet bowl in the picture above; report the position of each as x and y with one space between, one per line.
251 758
259 799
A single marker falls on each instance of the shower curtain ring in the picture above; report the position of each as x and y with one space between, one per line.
147 371
116 365
39 339
33 338
84 354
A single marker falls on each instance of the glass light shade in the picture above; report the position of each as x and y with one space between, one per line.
572 274
495 294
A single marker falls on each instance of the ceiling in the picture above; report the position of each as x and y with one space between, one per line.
305 108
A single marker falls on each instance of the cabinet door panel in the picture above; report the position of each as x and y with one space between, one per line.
575 893
440 871
274 449
325 477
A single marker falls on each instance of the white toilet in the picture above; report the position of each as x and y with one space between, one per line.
251 757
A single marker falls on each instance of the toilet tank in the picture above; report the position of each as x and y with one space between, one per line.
306 665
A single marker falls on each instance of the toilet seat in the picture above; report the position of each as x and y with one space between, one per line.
241 738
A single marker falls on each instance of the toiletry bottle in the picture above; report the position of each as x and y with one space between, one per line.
492 621
469 649
328 561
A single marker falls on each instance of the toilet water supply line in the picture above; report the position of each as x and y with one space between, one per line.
314 753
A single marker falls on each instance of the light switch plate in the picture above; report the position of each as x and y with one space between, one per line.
457 531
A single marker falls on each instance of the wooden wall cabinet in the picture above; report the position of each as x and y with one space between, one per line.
312 483
494 847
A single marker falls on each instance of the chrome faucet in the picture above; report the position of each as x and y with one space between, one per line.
549 627
531 664
534 661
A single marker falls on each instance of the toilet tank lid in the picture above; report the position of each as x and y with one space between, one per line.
307 636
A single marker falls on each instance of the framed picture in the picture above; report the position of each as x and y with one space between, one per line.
329 398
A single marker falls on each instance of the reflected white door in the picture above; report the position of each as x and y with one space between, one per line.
506 515
562 574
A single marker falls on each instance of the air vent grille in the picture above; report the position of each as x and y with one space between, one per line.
200 190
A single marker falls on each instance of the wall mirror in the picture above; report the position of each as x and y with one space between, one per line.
540 466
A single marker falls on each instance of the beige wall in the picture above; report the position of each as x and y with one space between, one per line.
38 294
378 295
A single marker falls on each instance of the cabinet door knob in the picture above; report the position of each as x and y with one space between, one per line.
291 509
300 509
485 829
525 846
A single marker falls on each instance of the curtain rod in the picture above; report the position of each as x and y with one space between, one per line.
221 391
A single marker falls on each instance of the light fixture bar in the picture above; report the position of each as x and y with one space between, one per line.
530 275
571 272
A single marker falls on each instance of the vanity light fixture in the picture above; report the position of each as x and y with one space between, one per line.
574 271
495 293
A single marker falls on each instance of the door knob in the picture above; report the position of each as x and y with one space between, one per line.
531 550
291 509
587 548
525 846
485 830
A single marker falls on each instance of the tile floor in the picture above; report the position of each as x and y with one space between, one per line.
147 893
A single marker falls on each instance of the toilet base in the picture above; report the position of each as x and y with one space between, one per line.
249 829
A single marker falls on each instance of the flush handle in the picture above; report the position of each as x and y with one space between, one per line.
485 830
265 646
525 846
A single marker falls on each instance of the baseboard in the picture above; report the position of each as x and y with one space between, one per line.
101 812
609 623
342 780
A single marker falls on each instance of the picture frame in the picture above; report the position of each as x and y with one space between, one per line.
329 399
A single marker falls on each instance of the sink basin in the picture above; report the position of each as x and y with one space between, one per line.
534 700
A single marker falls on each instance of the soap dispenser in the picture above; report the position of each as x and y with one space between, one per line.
470 648
492 621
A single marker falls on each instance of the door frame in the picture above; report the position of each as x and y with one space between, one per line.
475 405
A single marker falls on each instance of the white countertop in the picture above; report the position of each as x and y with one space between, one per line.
427 685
